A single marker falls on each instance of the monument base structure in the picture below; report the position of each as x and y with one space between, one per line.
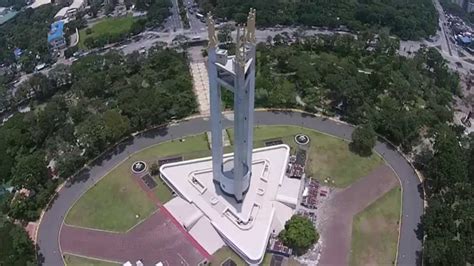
244 226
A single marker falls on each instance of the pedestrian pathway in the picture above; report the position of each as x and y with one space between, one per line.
201 86
156 239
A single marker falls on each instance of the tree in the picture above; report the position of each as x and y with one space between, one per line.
91 135
154 168
30 172
413 20
69 52
4 102
448 164
60 75
299 234
38 86
16 247
447 221
363 140
224 34
116 125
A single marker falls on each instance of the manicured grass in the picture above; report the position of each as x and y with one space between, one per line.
107 26
162 191
375 231
328 157
113 203
223 254
72 260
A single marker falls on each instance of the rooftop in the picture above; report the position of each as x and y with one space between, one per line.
56 31
38 3
245 226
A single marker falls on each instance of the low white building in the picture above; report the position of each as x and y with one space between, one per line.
71 11
38 3
215 219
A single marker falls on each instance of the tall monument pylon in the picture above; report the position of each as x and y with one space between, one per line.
236 74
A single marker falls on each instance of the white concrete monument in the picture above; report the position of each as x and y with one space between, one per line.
237 199
236 74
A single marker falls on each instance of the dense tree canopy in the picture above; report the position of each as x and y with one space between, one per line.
299 234
28 31
97 101
406 19
16 247
362 80
449 218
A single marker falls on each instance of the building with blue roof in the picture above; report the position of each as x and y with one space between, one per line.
56 35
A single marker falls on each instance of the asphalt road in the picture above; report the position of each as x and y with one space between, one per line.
410 245
173 22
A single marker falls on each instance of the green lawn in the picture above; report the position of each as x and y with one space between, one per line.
162 191
223 254
72 260
113 203
375 231
327 157
107 26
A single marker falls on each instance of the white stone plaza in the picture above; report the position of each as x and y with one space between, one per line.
246 226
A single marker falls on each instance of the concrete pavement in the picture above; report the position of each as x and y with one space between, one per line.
200 79
410 244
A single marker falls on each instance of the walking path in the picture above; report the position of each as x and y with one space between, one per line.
156 239
337 213
200 79
412 206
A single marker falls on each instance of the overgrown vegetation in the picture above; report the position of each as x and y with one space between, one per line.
100 99
406 19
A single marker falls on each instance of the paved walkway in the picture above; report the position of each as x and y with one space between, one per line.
339 210
200 79
410 243
156 239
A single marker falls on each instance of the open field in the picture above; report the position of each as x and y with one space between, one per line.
327 157
115 201
72 260
375 231
105 27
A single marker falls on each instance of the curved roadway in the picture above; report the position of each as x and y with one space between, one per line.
410 244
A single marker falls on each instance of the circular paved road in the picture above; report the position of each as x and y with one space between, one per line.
410 245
